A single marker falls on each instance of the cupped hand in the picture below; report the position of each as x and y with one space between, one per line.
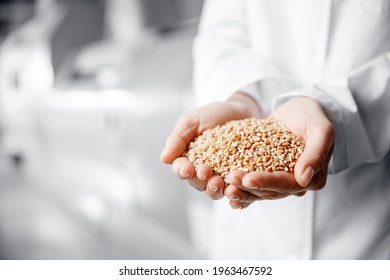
306 118
239 106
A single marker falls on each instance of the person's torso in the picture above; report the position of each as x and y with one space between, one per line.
319 40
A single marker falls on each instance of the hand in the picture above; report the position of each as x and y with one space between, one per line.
304 117
189 126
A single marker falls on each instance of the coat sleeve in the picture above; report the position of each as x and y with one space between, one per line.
359 107
223 58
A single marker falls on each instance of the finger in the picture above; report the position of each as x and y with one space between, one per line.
275 196
277 181
266 195
299 194
319 140
215 187
197 184
235 177
320 178
238 205
251 195
203 172
185 130
183 168
234 193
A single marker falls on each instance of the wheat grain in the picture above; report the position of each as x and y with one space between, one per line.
250 144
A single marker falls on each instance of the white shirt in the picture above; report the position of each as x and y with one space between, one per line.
337 52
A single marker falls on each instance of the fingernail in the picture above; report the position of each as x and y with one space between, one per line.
183 174
251 187
234 197
239 207
214 188
232 181
307 175
202 177
163 153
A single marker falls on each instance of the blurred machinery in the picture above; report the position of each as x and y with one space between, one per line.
88 93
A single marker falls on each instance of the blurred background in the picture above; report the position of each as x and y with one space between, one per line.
89 90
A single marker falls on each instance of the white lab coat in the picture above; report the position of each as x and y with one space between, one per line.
337 52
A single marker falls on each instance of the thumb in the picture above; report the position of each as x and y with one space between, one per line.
185 130
318 144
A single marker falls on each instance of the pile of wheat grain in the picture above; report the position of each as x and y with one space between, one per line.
249 144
